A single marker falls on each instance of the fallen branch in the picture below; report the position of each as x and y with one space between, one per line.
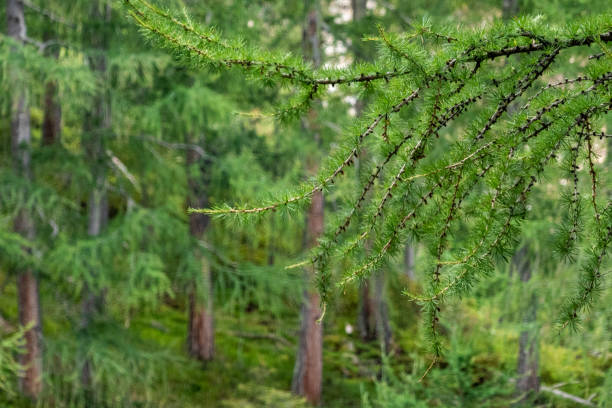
565 395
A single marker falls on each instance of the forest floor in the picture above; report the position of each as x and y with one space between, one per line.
255 354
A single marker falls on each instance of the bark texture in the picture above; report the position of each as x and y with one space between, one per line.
27 284
200 337
52 119
51 128
308 369
200 333
29 314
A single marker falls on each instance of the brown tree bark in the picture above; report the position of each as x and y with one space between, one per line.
27 284
51 127
200 333
528 354
366 320
52 119
29 314
308 369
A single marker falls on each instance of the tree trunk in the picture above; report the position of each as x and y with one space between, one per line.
51 131
27 284
367 316
308 369
96 126
367 321
201 336
409 258
29 314
200 333
372 320
383 327
52 120
97 217
359 9
528 354
509 9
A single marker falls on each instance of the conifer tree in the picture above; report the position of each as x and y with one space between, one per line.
528 353
528 350
498 154
308 370
483 180
95 285
373 317
200 333
52 121
96 130
27 282
409 259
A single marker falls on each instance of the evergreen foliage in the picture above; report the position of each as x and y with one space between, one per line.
523 121
476 140
145 256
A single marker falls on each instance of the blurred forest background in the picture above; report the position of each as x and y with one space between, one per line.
143 305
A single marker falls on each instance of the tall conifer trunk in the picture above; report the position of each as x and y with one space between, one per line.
409 259
51 131
52 120
509 9
97 124
383 326
308 369
372 319
27 284
366 319
528 381
200 333
359 9
367 316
